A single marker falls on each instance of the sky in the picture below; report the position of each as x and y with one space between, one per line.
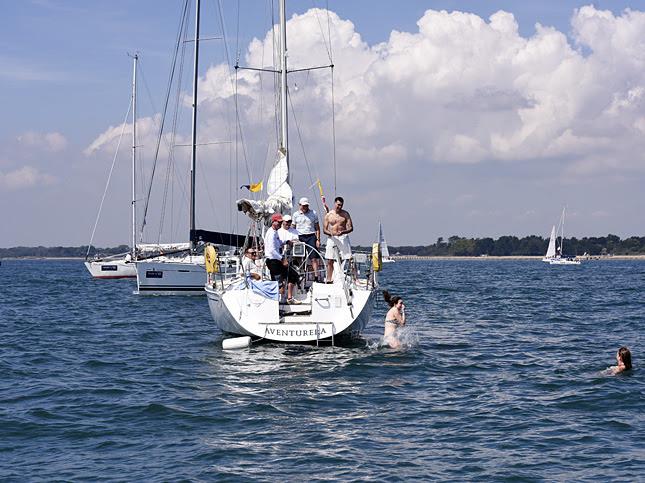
468 118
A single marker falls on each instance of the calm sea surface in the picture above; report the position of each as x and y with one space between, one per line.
501 380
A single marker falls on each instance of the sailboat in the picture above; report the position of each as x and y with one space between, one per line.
318 312
554 253
121 266
181 271
550 251
385 252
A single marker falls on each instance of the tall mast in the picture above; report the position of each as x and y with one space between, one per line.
284 136
193 153
562 236
135 59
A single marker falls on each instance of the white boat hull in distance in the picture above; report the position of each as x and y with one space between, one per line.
171 276
323 314
564 261
388 260
111 269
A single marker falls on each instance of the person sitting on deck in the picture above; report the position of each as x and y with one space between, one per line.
251 266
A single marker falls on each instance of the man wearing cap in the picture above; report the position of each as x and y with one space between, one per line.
287 233
273 254
308 228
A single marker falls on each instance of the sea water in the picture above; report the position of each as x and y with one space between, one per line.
501 379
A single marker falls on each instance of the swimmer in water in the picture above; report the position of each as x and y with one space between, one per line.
623 361
394 319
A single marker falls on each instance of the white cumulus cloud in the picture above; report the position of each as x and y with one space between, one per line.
147 128
463 89
51 142
25 177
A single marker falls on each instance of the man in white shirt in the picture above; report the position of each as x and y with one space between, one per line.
287 233
251 266
306 223
273 253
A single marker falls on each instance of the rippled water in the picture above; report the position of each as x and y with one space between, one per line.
501 380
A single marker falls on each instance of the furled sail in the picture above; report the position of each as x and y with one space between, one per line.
279 193
550 252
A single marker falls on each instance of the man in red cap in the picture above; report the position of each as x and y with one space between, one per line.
273 254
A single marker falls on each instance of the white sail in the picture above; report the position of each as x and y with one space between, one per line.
279 193
278 190
550 252
381 239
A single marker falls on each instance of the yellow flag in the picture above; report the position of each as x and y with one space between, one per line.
254 188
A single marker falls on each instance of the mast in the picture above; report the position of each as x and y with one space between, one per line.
135 59
284 136
562 233
193 152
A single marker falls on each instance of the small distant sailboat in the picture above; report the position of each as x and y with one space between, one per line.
385 252
554 253
120 266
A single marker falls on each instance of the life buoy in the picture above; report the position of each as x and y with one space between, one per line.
210 259
377 262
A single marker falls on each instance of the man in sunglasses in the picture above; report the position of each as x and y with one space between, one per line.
250 264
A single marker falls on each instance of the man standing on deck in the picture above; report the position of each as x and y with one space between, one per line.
306 223
275 264
337 225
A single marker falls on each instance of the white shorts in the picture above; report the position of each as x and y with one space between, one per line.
342 242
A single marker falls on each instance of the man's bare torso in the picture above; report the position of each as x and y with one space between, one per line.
338 222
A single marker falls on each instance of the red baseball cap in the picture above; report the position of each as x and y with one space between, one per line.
276 217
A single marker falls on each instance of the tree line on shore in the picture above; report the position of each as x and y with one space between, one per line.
527 246
60 252
454 246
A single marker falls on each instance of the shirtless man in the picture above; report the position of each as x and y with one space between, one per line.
337 225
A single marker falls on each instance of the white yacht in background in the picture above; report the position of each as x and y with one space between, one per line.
182 271
385 252
550 251
554 253
120 266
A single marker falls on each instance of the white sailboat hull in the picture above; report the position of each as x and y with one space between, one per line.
564 261
111 269
171 276
324 314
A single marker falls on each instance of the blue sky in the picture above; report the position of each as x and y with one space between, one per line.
476 171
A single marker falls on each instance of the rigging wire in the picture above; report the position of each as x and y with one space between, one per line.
169 88
233 86
333 98
322 33
107 184
171 166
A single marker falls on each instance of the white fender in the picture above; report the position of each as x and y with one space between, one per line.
236 343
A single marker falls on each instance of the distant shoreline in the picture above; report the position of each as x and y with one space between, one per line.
407 258
404 258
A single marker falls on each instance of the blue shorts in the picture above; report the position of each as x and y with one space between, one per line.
310 241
